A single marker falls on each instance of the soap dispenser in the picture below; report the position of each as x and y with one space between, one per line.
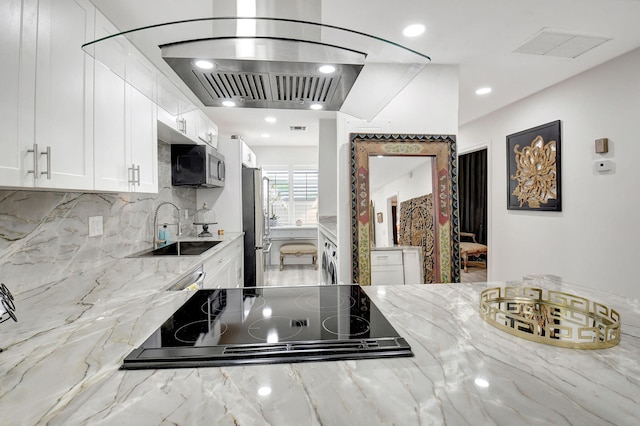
205 217
164 236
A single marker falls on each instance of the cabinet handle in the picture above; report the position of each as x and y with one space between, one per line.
182 125
137 170
133 172
48 171
35 161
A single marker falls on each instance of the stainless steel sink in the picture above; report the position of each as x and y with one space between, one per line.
180 248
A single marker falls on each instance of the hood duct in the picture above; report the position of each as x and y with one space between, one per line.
282 74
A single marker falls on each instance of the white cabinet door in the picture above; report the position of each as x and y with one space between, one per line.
63 95
207 130
226 269
17 79
412 264
188 124
248 156
111 157
126 156
48 105
142 141
387 267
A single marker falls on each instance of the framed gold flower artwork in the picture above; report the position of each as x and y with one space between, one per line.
533 169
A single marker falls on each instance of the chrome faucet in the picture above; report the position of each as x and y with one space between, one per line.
156 241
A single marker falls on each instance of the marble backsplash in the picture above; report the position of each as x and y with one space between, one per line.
44 235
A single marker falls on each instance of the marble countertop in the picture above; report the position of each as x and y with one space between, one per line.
328 225
61 364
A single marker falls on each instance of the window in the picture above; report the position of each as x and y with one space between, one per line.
293 194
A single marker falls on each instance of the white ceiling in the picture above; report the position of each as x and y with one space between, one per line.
478 36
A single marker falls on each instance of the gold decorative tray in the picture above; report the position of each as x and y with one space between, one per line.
551 317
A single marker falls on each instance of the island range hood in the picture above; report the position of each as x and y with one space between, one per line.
274 64
280 74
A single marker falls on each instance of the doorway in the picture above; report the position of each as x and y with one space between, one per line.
473 193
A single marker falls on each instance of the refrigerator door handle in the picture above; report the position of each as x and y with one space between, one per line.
265 189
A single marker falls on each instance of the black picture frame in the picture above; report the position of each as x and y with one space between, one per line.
534 169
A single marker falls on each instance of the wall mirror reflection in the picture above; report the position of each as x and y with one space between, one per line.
404 218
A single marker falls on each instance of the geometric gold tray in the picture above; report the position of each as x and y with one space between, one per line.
551 317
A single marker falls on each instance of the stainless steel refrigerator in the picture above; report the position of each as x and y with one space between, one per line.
255 224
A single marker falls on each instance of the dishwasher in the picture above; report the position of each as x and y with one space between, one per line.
192 281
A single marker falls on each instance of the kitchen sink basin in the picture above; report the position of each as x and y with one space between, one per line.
180 248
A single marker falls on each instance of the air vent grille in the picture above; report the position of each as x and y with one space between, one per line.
562 45
298 128
290 87
227 85
267 84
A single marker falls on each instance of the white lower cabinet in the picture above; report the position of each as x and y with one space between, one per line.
387 267
399 265
226 268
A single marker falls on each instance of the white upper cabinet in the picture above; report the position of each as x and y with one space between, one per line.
125 135
64 90
47 81
14 79
207 130
142 141
248 156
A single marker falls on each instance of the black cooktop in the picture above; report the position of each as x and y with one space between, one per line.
269 325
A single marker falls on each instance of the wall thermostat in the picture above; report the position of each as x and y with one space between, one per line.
602 146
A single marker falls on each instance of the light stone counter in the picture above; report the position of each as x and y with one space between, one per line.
61 366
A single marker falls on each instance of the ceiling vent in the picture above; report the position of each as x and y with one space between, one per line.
298 128
562 45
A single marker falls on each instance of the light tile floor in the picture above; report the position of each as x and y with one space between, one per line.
293 275
306 275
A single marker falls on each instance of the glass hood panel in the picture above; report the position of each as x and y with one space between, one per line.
138 56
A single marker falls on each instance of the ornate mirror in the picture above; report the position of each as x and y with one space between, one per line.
441 244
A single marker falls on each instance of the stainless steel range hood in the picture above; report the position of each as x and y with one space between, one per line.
281 74
274 67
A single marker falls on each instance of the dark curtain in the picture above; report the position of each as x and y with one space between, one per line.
472 187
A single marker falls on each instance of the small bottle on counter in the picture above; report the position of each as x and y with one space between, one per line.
161 234
167 235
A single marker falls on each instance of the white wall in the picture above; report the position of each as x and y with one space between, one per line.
593 241
226 202
327 168
286 155
428 105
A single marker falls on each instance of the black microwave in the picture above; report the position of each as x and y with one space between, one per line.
197 166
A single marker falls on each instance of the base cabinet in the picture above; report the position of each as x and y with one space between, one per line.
226 269
400 265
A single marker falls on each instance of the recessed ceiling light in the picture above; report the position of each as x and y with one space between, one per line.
413 30
228 103
205 65
316 106
483 90
270 119
265 135
327 69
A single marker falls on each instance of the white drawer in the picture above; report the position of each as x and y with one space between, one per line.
386 257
